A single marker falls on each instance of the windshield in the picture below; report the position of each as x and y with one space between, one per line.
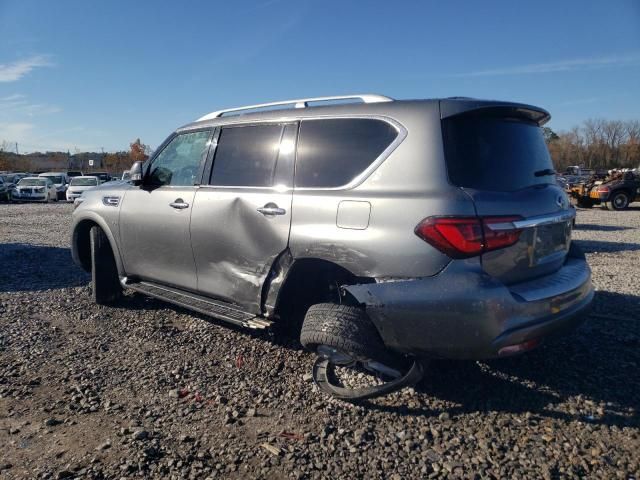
32 182
84 182
499 154
54 179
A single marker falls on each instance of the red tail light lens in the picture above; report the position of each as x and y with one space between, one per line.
464 237
496 233
456 237
603 189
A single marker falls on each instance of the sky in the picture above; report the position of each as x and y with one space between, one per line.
85 76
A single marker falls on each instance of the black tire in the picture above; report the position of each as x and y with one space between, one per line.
346 328
620 200
105 283
585 203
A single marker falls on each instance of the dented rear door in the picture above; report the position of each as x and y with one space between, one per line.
241 217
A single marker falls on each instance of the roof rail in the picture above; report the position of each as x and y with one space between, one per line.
299 103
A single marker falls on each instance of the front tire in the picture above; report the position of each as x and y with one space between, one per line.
620 200
105 283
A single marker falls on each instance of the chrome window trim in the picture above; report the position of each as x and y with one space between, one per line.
359 179
402 134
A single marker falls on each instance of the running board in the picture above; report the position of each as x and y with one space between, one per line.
207 306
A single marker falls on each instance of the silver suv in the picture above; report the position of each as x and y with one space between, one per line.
394 229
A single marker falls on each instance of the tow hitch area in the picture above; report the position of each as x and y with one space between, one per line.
329 380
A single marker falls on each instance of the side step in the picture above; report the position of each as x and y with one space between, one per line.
207 306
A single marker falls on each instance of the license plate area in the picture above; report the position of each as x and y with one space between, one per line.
550 242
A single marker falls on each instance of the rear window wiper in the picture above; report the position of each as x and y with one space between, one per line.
545 172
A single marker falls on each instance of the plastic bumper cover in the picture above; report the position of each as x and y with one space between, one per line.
464 313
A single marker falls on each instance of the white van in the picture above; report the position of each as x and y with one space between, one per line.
60 180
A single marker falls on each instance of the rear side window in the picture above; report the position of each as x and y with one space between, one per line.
492 153
333 152
247 156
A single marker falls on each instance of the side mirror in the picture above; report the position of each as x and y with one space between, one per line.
136 173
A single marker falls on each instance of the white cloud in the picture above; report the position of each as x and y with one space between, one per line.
592 63
17 105
11 72
12 132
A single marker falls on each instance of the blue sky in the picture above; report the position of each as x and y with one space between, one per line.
83 75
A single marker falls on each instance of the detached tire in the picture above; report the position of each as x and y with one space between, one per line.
105 283
345 328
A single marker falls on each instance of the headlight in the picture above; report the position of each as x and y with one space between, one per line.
40 189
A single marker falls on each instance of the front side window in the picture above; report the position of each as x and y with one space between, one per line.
247 156
179 162
333 152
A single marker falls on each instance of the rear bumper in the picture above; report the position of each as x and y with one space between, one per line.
464 313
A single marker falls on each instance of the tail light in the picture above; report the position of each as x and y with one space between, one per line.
464 237
602 189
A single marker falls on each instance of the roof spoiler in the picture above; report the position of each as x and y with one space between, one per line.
464 106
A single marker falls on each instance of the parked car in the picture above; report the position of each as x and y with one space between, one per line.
5 190
79 185
35 189
17 176
60 180
615 188
102 176
397 229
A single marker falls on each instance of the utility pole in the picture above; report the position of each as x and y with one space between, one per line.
17 153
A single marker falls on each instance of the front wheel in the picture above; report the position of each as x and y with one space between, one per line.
620 200
105 283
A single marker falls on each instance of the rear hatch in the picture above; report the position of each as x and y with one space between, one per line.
496 153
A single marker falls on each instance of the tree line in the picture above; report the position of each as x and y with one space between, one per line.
597 143
115 162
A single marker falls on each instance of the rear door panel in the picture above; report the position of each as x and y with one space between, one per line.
234 241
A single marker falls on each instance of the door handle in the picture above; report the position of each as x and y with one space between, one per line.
179 204
271 209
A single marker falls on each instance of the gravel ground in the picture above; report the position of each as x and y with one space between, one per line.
149 390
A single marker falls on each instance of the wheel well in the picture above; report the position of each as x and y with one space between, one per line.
622 190
310 281
82 243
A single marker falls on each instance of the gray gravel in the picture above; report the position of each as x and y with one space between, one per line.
148 390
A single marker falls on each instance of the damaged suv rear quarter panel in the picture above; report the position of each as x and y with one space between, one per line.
399 198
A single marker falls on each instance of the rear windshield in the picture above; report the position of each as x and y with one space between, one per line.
84 182
499 154
56 180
